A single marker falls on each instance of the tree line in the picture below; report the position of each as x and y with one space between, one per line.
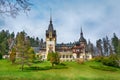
9 40
108 51
20 46
106 46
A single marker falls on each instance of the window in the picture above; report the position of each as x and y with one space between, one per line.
83 57
77 50
63 56
43 56
66 56
78 55
87 56
70 56
60 56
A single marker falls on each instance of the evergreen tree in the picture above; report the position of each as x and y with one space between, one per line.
115 42
106 46
99 47
114 59
118 49
34 42
37 41
22 47
31 54
90 48
4 47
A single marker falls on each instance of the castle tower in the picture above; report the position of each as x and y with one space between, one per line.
50 38
82 40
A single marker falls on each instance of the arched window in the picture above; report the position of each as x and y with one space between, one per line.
70 56
66 56
63 56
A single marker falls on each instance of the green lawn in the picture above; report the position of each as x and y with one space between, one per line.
72 71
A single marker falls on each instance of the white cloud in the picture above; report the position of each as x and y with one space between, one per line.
97 19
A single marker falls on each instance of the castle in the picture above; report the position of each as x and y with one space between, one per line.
67 52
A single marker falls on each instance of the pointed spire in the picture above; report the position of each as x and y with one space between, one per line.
82 39
81 32
50 15
50 28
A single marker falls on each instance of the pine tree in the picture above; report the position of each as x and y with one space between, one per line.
118 49
106 47
116 45
31 54
4 47
115 42
90 48
99 47
22 47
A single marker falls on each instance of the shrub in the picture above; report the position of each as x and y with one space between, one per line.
62 64
98 58
37 61
38 68
0 56
53 57
110 61
80 61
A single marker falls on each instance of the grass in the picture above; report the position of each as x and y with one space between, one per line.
69 71
104 68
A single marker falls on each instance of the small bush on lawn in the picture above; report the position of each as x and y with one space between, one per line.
62 64
80 61
38 68
98 58
37 61
110 61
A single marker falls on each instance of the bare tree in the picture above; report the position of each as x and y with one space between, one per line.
13 7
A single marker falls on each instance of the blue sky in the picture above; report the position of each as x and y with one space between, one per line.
98 18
